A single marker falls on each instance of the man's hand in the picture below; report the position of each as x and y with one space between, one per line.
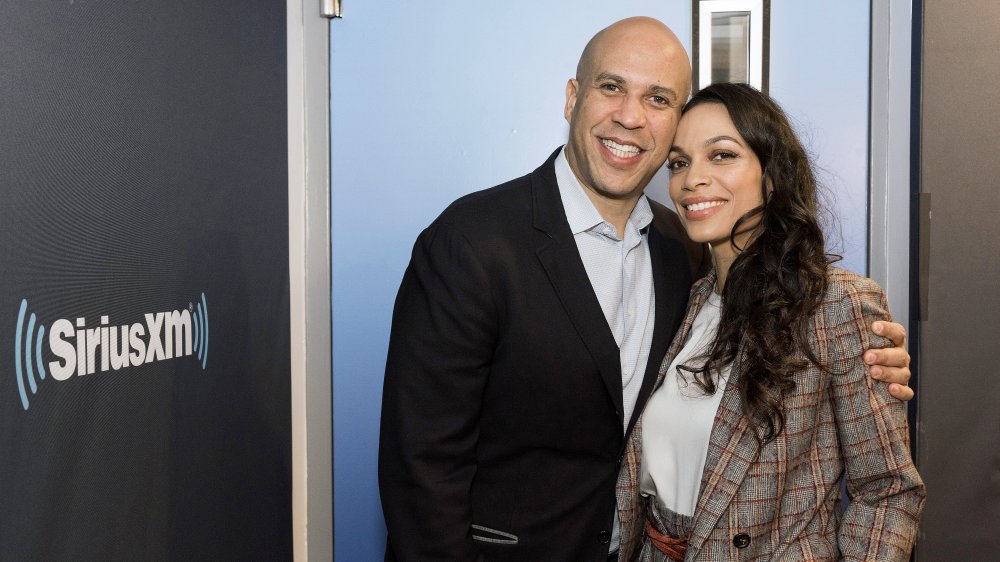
891 364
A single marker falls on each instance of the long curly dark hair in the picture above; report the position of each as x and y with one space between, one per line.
778 280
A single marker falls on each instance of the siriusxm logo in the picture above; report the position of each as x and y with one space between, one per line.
83 351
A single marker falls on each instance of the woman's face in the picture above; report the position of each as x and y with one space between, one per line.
715 178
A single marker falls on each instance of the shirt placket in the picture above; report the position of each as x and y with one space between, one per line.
629 347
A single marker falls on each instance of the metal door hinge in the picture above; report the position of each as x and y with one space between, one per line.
330 9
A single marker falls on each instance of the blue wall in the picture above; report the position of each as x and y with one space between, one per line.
433 100
819 74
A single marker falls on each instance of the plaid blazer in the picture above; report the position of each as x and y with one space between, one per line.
782 501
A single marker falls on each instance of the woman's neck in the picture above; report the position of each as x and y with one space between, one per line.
722 261
725 254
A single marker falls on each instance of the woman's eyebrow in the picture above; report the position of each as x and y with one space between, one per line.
719 138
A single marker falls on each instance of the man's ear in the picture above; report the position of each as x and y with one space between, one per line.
572 87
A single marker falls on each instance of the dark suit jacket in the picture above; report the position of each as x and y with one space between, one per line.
501 434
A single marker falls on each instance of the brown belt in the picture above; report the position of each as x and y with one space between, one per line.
673 547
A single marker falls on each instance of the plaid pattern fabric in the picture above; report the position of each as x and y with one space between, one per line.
785 496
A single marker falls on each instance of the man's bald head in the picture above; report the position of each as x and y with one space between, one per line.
622 108
627 33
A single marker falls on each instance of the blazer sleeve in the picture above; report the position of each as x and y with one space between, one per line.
887 494
441 343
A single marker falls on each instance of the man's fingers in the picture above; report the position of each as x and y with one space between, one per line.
900 392
899 375
888 357
892 364
891 330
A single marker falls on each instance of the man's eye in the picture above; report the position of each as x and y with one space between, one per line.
660 100
610 87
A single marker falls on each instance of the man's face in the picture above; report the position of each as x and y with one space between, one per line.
623 112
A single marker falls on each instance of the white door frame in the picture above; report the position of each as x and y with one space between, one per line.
309 279
889 215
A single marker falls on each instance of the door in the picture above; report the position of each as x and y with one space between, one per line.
959 422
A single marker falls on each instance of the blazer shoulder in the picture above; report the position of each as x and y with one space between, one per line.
668 224
851 303
505 208
844 285
496 202
666 221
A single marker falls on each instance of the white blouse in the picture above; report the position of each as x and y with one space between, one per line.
677 422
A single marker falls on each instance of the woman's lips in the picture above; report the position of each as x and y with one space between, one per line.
698 210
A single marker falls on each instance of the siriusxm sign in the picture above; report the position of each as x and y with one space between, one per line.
82 350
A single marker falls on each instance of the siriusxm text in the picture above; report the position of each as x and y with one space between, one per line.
83 350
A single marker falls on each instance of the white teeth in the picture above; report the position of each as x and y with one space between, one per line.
621 150
703 206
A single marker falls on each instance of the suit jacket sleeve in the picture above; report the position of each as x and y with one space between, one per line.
442 339
886 492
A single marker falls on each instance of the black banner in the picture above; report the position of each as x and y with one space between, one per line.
144 328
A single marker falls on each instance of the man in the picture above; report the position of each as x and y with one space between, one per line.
530 325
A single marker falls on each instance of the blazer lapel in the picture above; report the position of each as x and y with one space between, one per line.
732 444
560 259
732 447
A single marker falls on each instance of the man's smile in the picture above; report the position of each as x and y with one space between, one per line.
621 150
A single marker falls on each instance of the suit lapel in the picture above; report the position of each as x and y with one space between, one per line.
560 258
667 285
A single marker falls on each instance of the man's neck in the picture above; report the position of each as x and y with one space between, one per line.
615 211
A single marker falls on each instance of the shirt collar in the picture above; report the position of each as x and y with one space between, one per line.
580 211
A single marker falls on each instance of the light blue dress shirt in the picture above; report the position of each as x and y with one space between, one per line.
621 274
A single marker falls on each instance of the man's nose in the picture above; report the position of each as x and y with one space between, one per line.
631 112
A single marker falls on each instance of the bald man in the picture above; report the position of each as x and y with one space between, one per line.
530 325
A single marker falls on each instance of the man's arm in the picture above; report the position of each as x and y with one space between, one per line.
442 341
892 364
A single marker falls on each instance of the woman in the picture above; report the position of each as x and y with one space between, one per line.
763 402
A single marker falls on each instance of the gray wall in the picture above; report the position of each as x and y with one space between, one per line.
959 418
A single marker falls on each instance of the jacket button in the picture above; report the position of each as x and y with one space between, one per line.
604 537
741 540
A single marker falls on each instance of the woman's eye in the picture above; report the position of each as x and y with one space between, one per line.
675 165
723 155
